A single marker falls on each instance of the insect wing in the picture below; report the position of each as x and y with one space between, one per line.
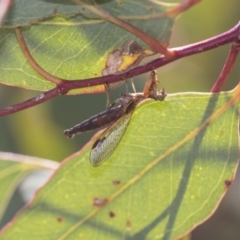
108 140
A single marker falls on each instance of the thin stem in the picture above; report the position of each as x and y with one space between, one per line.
178 8
43 97
180 52
154 44
227 68
34 64
228 37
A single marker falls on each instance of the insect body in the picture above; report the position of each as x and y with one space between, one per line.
100 120
117 119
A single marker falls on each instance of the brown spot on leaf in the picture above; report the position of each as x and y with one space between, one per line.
130 54
113 62
228 183
100 202
131 47
128 224
116 182
59 219
111 214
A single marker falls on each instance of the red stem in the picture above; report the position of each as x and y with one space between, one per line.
43 97
154 44
231 59
32 61
230 36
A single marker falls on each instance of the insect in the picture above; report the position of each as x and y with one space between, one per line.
117 120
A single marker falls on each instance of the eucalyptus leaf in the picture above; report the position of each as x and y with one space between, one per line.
72 43
166 176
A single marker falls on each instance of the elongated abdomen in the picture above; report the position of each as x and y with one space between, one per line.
100 120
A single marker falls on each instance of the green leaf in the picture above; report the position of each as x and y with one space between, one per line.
165 177
13 168
75 47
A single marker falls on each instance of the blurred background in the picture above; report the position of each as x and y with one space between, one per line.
38 131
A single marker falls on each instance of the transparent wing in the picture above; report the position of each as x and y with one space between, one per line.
108 140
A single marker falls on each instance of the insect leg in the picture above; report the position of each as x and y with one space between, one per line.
133 86
107 90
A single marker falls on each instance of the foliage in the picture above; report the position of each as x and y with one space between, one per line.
176 158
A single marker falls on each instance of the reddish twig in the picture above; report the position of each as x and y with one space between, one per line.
154 44
231 59
31 60
228 37
180 52
43 97
178 8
